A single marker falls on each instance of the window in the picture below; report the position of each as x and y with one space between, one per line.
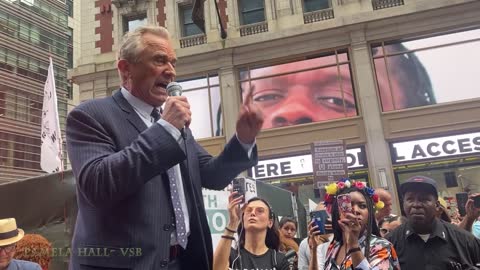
19 105
131 22
189 28
251 11
423 72
70 91
70 47
312 90
19 151
204 92
313 5
27 32
27 66
70 8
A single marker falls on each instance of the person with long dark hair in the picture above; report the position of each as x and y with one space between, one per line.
258 238
288 229
357 243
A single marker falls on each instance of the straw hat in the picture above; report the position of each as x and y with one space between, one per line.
9 233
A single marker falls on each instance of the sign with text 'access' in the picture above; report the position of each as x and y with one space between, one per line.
436 147
299 165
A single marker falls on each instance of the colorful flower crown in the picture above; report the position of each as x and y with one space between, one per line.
334 188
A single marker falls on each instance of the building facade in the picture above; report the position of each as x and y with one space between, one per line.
393 79
30 31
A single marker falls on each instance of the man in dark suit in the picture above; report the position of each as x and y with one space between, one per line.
139 176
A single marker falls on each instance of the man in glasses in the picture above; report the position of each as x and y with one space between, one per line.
9 236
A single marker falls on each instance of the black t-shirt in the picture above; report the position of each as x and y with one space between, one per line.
271 260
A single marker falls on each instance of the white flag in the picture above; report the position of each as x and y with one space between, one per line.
51 155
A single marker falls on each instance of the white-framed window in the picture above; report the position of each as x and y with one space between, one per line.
203 94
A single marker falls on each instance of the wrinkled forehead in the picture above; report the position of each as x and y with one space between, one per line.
151 43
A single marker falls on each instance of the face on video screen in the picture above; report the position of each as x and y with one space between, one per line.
302 92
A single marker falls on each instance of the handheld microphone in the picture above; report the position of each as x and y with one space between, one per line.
174 89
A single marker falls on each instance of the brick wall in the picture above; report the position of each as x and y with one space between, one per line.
105 29
161 17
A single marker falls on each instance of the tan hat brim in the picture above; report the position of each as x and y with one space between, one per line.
9 241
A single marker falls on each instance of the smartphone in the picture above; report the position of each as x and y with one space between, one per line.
344 204
238 185
462 199
320 218
476 201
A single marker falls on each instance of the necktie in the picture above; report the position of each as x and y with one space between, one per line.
155 114
181 231
177 209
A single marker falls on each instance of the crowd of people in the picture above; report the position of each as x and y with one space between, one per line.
369 236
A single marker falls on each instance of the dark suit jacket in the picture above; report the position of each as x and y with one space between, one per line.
125 213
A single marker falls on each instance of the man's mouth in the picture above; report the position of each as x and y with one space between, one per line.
417 214
161 84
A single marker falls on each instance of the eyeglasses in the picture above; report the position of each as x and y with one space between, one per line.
8 248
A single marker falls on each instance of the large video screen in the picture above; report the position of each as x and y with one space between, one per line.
312 90
428 71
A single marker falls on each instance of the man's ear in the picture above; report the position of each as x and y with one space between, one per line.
124 68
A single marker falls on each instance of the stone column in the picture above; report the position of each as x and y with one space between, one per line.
231 100
377 149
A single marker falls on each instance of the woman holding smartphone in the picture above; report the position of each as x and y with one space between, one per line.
259 240
357 243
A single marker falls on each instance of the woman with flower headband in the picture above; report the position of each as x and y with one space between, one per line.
357 243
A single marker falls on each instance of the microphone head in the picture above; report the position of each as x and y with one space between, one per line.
174 89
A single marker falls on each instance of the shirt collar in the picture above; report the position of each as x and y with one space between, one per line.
438 230
143 108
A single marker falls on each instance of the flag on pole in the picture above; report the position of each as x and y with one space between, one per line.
51 136
198 16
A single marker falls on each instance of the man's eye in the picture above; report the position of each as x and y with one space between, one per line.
332 100
267 97
159 60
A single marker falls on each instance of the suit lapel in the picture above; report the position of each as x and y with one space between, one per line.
130 114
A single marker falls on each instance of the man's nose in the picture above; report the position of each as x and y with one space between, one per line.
170 71
416 203
292 114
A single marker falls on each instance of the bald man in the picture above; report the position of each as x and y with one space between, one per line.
386 198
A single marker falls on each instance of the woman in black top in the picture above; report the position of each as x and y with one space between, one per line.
258 243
